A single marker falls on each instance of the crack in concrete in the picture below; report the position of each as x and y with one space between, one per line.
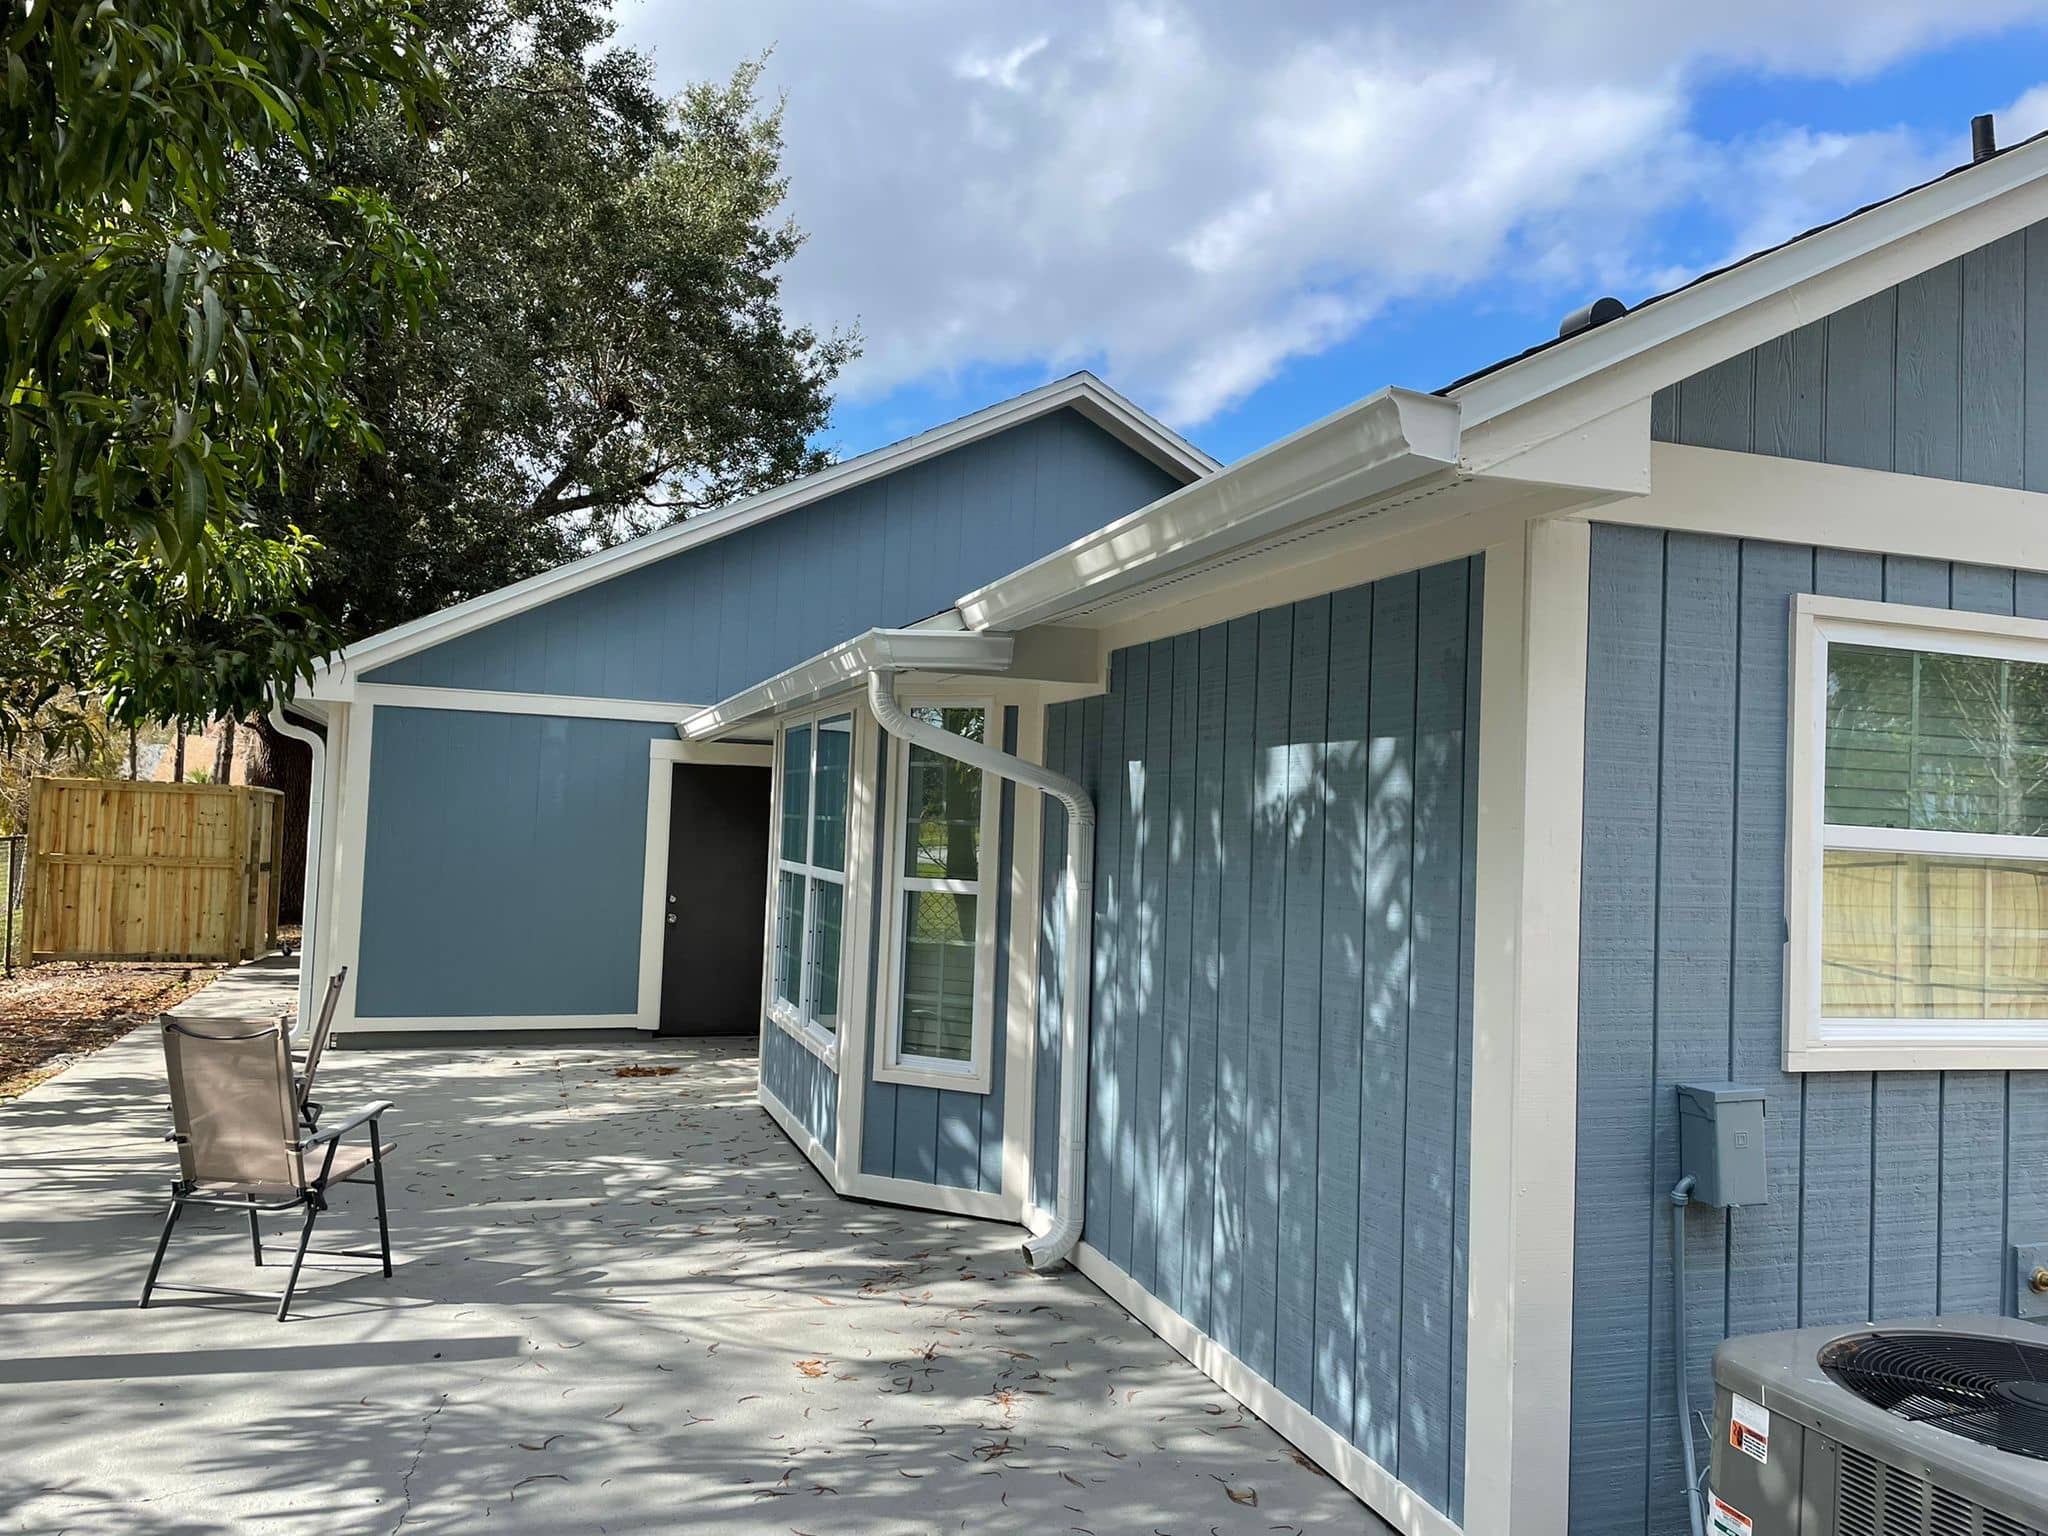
405 1483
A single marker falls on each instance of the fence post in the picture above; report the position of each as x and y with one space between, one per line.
29 872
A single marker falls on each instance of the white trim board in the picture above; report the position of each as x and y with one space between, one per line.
566 706
489 1023
1379 1488
1525 1021
1082 391
1768 295
1793 501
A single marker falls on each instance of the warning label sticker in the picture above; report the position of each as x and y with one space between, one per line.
1724 1519
1749 1428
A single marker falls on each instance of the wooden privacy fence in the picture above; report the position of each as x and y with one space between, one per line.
131 871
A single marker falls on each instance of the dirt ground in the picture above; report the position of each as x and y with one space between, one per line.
57 1012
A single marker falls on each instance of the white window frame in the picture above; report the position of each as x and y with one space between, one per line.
892 1064
1817 1044
797 1022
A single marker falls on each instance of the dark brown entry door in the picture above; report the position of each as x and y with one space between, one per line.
717 900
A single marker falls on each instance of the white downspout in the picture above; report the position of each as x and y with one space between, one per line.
1052 1245
309 901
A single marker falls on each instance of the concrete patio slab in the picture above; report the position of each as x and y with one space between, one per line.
623 1303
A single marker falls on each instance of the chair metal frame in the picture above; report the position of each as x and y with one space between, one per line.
307 1190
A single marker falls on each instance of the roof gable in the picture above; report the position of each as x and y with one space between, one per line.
1098 423
710 620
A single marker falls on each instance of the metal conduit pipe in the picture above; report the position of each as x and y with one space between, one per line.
1057 1241
309 902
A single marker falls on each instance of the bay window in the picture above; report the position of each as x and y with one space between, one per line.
941 901
814 768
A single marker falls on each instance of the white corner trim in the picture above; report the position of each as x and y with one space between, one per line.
1755 496
1082 391
1815 1042
1768 295
1368 450
799 1133
351 819
1525 1019
860 918
1397 1503
565 706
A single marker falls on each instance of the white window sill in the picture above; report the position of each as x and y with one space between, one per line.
923 1072
1917 1045
821 1043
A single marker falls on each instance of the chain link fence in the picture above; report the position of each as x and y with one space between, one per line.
13 883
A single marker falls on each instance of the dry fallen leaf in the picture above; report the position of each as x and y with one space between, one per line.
1243 1495
812 1368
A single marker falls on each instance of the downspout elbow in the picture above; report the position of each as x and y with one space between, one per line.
1053 1245
309 899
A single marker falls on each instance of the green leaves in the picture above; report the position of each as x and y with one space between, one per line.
161 375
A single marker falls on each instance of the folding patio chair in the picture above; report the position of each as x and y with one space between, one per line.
241 1142
316 1045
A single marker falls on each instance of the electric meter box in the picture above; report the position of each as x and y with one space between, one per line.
1721 1143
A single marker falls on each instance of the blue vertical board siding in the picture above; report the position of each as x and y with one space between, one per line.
1147 1041
1387 955
1944 375
1260 1272
1062 755
1103 762
1617 999
1461 1177
1894 1193
1301 998
466 807
1695 904
1205 990
1435 982
1177 982
1341 1011
1133 932
1763 1249
1238 813
802 1084
889 552
1289 806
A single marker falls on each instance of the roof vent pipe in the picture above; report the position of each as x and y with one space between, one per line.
1599 312
1983 138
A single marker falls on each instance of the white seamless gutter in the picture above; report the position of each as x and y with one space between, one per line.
1363 453
309 901
842 667
1052 1245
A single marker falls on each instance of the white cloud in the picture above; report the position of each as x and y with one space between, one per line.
1191 195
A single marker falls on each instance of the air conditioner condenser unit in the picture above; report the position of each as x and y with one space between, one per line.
1936 1428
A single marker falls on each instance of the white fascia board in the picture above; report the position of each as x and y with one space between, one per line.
1082 391
1769 295
848 664
1365 452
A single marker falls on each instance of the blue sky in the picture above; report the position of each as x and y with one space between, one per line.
1248 217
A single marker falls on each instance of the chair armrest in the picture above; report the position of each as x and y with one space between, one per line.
333 1132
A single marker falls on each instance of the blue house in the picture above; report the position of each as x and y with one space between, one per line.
1294 891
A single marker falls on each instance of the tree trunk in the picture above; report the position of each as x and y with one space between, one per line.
278 762
178 759
224 754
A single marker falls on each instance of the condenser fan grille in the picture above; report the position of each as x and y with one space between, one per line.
1992 1391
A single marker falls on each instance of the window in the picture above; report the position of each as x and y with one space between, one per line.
810 876
1919 839
943 913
